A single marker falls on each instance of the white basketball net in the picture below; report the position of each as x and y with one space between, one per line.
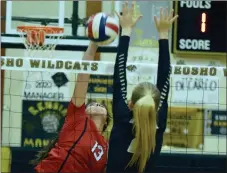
40 42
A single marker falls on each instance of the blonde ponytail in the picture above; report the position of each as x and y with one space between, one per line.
144 114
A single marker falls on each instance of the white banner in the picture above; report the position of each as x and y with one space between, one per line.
194 90
41 86
102 67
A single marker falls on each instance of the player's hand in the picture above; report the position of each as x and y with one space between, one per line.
165 22
129 16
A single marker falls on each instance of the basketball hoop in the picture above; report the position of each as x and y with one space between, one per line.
34 38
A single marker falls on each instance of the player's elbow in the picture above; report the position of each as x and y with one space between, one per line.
78 102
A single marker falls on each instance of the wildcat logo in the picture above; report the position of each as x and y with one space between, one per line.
131 68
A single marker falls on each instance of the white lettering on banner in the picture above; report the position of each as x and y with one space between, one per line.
195 90
103 67
196 4
40 86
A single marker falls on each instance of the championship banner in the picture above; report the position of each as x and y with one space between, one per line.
103 67
41 122
107 102
216 123
100 84
184 128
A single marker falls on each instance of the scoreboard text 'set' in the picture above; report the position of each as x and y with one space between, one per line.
201 28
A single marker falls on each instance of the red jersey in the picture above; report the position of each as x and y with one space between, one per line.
80 147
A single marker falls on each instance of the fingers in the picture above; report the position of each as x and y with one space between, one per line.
133 7
173 19
171 14
161 14
125 8
166 14
139 17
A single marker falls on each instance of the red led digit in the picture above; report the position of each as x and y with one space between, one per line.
203 22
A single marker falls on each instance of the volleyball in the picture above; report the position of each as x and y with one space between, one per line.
102 28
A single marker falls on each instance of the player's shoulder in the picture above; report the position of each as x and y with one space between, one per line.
72 108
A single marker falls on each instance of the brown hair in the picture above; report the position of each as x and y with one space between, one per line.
145 98
44 152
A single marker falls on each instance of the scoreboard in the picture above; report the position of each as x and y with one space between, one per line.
201 28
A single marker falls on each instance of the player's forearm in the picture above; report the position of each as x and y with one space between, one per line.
90 52
81 85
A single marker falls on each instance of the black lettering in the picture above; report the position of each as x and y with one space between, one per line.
9 63
198 84
77 66
44 64
50 65
19 62
85 64
186 70
204 71
179 85
34 63
94 66
2 61
195 71
59 64
213 71
177 70
41 96
189 81
213 85
68 65
43 84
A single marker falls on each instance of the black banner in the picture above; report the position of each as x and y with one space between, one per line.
100 84
41 122
219 122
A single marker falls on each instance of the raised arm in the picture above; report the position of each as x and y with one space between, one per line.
81 85
127 21
163 25
76 107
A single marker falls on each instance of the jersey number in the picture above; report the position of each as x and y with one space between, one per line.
97 150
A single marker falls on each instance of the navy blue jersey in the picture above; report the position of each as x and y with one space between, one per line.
121 134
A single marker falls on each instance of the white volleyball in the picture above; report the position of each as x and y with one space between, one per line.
102 28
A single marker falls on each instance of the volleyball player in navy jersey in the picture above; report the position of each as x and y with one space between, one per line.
137 135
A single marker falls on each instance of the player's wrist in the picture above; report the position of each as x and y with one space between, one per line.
163 35
91 50
93 45
126 32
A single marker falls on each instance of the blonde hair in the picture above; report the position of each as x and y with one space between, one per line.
145 98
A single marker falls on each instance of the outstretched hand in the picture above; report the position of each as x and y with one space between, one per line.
165 22
129 16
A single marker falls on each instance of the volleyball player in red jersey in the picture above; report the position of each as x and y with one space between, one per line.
80 146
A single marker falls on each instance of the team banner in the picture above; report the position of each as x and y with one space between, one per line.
184 128
216 123
41 122
100 84
102 67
